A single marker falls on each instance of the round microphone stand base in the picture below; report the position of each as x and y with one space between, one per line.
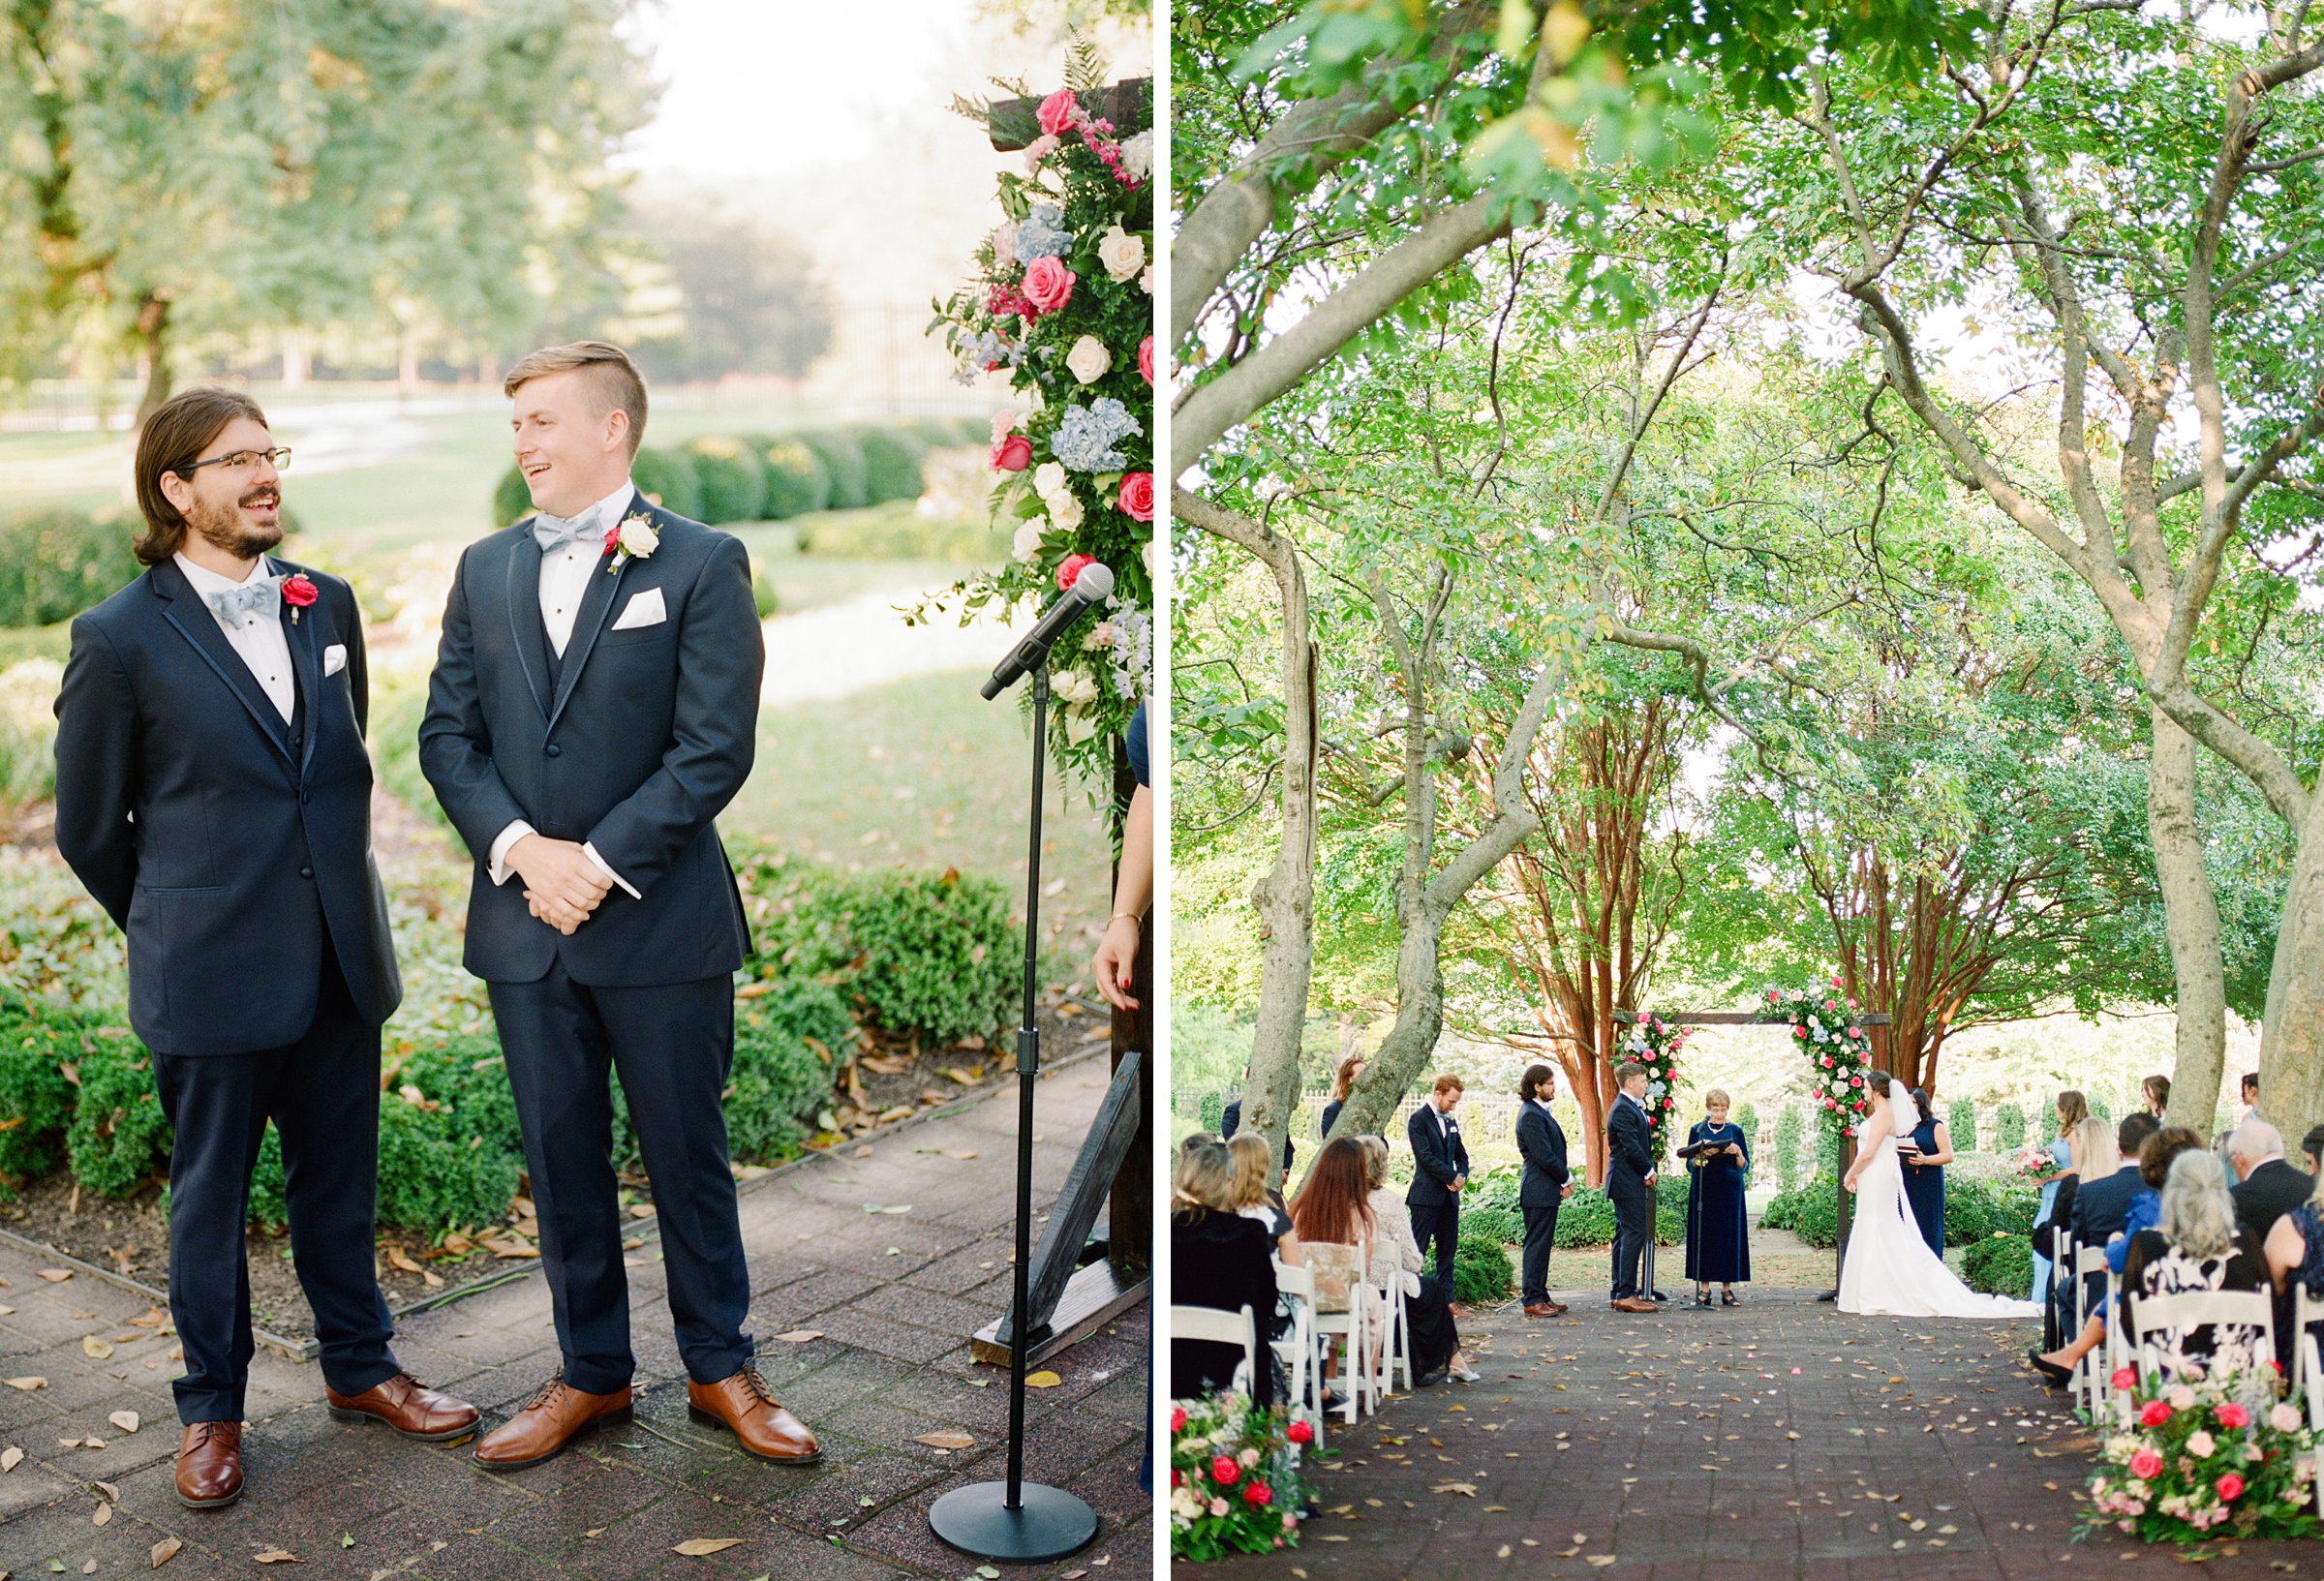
1048 1524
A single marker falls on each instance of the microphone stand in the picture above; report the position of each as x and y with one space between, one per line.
1016 1521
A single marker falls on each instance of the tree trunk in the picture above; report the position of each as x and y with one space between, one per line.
153 344
2190 923
2291 1041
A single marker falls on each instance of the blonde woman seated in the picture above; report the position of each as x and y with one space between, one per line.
1335 1207
2095 1151
1254 1201
2198 1246
1218 1258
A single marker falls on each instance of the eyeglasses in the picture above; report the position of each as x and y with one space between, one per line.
237 459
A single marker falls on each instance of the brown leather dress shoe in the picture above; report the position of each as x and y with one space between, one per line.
209 1464
745 1406
1544 1309
1632 1304
549 1421
407 1405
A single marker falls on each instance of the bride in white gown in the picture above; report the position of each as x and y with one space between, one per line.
1889 1269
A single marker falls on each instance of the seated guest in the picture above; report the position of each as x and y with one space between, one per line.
1395 1224
2094 1155
1717 1228
2197 1246
2100 1205
1253 1199
2268 1188
1218 1258
2072 1109
2295 1246
2156 1090
1333 1207
1230 1121
1342 1079
2155 1158
2311 1150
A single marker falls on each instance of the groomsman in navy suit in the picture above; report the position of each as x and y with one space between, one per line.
1629 1179
594 707
214 794
1440 1169
1546 1184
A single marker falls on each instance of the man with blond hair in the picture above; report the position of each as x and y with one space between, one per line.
1440 1169
594 707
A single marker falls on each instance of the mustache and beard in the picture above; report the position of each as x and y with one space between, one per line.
226 527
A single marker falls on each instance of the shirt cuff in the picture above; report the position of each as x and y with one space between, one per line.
497 864
591 852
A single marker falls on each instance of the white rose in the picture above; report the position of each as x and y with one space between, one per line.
638 537
1089 359
1101 635
1064 508
1146 280
1122 253
1145 558
1074 689
1138 156
1048 479
1027 542
1004 240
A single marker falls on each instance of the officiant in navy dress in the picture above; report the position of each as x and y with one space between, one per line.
1924 1165
1717 1158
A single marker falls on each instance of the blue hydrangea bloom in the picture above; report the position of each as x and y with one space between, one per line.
1085 439
1041 234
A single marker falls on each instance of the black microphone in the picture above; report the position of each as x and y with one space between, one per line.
1093 587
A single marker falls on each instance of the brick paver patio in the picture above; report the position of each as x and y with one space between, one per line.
1778 1439
892 1298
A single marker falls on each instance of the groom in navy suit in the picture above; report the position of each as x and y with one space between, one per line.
594 707
1440 1169
214 794
1629 1179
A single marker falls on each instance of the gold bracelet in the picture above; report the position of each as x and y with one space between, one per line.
1128 917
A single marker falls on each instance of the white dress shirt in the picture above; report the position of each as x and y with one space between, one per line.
259 641
564 583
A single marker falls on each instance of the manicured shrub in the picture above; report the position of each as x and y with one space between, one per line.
762 590
1961 1119
1505 1224
433 1172
119 1136
733 484
467 1075
892 458
667 477
795 481
55 563
2100 1110
1791 1128
1999 1265
2008 1129
1976 1211
1496 1188
1747 1117
1482 1272
36 1101
1587 1219
844 465
511 499
1211 1110
28 692
1812 1212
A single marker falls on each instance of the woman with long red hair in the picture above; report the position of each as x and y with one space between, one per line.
1334 1206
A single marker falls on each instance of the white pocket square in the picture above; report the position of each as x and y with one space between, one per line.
334 658
643 609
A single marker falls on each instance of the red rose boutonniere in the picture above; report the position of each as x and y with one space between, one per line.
299 593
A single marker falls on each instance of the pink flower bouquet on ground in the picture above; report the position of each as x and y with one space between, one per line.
2199 1461
1234 1483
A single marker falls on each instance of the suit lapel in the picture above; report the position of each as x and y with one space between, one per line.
182 607
306 667
524 626
596 604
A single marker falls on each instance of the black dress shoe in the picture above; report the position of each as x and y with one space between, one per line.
2057 1377
1660 1296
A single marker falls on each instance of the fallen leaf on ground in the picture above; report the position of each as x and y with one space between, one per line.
275 1556
155 1318
125 1421
28 1383
946 1440
1044 1380
10 1458
398 1257
1467 1490
1599 1559
97 1348
56 1276
696 1547
108 1490
94 1442
800 1336
164 1552
103 1515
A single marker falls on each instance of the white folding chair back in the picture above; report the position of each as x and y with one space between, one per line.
1388 1281
1298 1348
2306 1380
2089 1384
1346 1312
1221 1327
2248 1308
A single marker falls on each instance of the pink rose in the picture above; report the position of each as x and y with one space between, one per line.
1146 358
1057 111
1048 285
1070 568
1299 1433
2232 1415
1799 1032
1137 496
2231 1488
1013 453
2154 1414
2285 1419
2124 1379
1177 1419
1256 1492
2146 1465
1224 1470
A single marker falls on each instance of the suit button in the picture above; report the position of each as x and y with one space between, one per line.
554 750
302 797
306 872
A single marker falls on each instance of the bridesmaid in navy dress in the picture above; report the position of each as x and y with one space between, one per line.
1924 1165
1718 1234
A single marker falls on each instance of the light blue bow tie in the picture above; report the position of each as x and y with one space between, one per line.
554 532
261 596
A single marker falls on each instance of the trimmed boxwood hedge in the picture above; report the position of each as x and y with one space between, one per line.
54 564
795 481
892 458
2000 1265
732 480
1812 1212
1482 1272
669 478
844 462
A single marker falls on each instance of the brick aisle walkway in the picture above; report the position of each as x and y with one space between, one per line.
893 1296
1686 1445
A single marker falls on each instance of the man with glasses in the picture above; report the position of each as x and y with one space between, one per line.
214 794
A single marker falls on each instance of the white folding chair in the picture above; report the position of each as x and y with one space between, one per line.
1221 1327
1344 1313
2307 1380
1388 1285
2246 1308
2089 1382
1298 1348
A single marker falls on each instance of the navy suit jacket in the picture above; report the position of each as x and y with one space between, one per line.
228 845
1542 1144
635 745
1630 1150
1436 1160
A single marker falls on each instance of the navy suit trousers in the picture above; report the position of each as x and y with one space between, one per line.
1442 1223
672 1046
322 1093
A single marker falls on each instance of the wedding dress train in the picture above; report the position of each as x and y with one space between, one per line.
1889 1269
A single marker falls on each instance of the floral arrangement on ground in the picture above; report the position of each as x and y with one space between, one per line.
2200 1460
1234 1483
1064 300
1839 1054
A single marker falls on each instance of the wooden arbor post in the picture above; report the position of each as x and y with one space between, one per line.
1883 1061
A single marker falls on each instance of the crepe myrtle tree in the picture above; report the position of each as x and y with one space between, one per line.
2131 194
